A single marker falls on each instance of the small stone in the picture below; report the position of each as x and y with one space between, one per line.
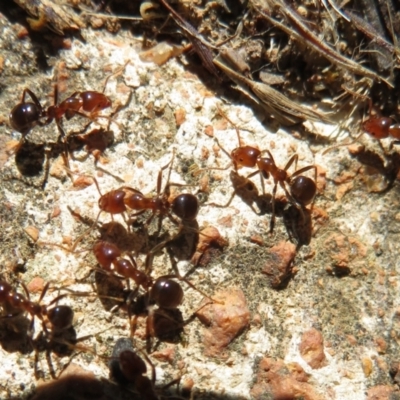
225 321
312 348
209 131
280 262
380 392
32 232
36 285
367 365
180 116
275 380
210 245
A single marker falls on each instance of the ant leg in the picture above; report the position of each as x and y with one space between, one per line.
222 113
33 97
293 201
50 363
224 205
272 222
292 159
301 170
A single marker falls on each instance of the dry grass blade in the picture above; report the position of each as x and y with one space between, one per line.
281 107
302 33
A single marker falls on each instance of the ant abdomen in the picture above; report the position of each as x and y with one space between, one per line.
113 202
60 317
166 293
24 116
185 206
303 189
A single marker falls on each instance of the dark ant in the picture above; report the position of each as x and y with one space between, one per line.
60 318
127 367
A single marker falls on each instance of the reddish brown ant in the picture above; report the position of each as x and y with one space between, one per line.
26 115
185 206
376 126
164 292
302 189
60 317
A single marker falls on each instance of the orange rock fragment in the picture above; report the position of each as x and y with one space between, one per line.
210 245
32 232
225 321
280 262
36 285
276 381
180 116
380 392
312 348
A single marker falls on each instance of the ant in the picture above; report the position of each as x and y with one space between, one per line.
378 127
164 292
302 189
127 367
26 115
59 317
185 206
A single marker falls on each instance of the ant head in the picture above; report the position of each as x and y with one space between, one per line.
105 253
166 293
24 116
131 365
377 127
245 156
303 189
185 206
